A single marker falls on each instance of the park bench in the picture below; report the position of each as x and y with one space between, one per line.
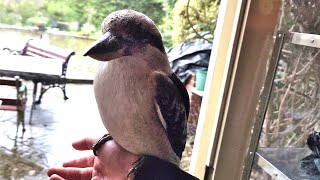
16 102
38 48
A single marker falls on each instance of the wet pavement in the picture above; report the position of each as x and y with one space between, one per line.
47 141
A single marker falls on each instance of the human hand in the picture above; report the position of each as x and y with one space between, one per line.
113 162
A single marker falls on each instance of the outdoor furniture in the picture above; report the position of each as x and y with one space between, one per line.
16 103
35 69
38 48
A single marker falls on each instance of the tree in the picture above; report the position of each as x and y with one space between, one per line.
88 14
152 8
16 13
94 11
194 19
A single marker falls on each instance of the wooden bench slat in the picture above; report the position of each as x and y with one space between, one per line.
10 82
12 102
8 108
45 49
36 53
44 53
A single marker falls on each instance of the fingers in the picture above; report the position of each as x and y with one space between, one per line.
84 144
56 177
76 169
70 173
80 163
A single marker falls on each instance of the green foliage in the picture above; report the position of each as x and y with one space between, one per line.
94 11
6 15
37 21
170 15
166 32
194 21
171 3
82 11
166 27
59 10
26 13
152 8
17 13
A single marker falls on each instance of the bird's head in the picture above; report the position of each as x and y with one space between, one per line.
125 32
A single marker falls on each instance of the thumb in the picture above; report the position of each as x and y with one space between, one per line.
83 144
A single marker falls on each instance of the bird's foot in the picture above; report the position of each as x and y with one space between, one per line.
136 166
97 145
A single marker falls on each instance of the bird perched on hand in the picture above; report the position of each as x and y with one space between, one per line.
142 103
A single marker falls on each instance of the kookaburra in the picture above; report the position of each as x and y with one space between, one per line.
142 103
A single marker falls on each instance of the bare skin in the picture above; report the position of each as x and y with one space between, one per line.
113 162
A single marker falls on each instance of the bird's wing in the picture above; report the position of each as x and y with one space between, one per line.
172 103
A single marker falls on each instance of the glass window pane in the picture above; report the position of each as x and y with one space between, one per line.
293 110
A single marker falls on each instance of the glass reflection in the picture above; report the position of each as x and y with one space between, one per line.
293 111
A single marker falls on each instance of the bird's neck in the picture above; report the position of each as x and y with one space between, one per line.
156 59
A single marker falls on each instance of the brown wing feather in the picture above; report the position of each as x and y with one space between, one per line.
173 101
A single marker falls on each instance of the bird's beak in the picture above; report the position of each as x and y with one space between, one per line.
103 47
98 46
